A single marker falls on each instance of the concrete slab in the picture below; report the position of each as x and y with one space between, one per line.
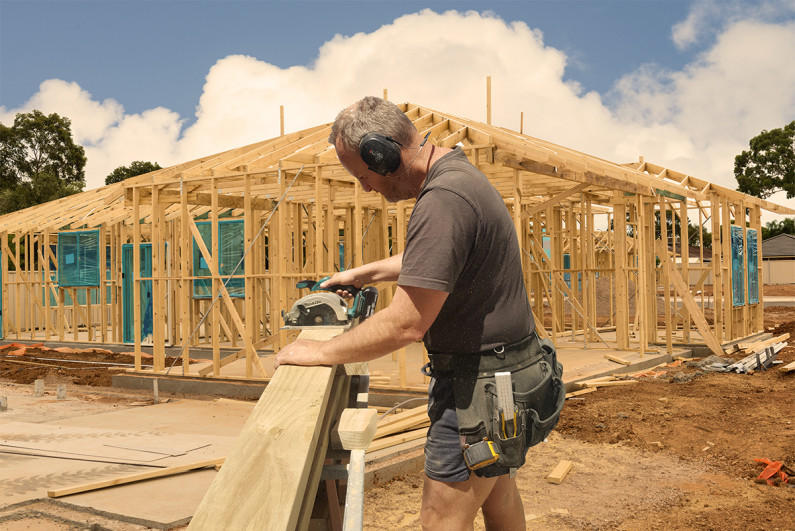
196 430
160 503
212 417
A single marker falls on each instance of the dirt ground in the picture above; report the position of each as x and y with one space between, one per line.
675 452
92 367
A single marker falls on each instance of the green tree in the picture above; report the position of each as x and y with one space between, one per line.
39 161
137 167
769 166
774 228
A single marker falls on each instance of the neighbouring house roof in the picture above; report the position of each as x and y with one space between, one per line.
779 246
694 251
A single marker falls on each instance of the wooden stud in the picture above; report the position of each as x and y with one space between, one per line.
559 473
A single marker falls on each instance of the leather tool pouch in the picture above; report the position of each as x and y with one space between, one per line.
538 396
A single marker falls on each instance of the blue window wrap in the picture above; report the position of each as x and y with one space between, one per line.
738 267
230 252
753 267
78 258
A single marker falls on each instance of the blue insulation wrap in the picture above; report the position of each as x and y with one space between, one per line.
78 258
230 251
145 271
738 267
753 268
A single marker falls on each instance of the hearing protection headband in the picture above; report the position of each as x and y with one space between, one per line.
382 153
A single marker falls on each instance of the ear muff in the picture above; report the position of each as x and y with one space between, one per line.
380 153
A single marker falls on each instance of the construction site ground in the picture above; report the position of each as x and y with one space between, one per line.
675 451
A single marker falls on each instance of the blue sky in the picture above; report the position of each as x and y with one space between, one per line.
146 54
685 84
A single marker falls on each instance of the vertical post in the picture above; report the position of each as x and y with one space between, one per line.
103 267
277 280
590 273
621 271
726 251
575 273
358 245
742 216
4 280
45 264
666 272
18 288
517 211
158 296
216 283
29 284
717 274
642 253
318 219
136 275
401 244
248 269
756 223
186 270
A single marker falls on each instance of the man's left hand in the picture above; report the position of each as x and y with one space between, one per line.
300 352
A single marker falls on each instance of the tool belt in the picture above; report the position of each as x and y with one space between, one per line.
489 435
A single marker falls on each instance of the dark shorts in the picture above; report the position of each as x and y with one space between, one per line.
444 458
537 390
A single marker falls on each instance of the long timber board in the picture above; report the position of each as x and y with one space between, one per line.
264 479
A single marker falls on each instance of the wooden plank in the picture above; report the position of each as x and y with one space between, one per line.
162 472
356 428
616 359
789 367
265 476
610 384
579 392
559 473
400 438
749 348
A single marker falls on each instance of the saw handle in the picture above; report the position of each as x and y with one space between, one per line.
315 286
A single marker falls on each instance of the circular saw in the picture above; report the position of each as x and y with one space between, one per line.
323 307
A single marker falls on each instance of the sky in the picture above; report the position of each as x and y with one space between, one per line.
685 84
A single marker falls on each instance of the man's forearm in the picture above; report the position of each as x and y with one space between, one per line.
376 337
405 321
386 270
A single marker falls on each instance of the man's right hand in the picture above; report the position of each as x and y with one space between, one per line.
344 278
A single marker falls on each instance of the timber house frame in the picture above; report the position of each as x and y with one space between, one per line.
579 219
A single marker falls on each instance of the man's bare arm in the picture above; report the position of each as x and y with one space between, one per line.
403 322
386 270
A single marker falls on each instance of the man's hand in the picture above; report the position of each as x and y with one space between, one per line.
344 278
300 352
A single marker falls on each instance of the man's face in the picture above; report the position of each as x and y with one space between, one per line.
391 186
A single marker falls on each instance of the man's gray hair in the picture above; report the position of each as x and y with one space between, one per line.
371 115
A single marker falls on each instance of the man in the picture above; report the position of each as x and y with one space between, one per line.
459 289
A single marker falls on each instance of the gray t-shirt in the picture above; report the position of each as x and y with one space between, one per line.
461 240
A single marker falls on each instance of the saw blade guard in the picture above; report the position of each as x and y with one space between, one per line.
318 309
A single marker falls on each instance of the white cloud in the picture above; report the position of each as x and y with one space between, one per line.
709 17
694 120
